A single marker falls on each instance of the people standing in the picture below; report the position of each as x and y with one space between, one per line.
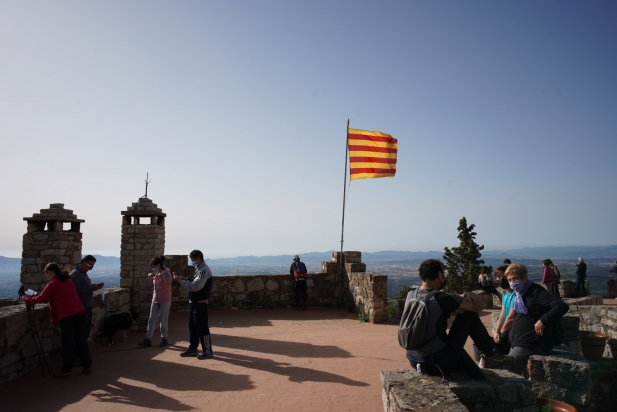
581 274
298 271
548 276
85 290
66 309
160 277
614 270
199 286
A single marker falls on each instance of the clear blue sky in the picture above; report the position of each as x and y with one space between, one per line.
505 112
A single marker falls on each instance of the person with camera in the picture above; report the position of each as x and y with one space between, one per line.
66 309
200 287
160 277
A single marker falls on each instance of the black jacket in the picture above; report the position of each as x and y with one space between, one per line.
581 270
543 306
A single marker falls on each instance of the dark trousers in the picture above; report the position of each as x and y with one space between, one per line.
300 293
198 327
580 284
454 357
72 328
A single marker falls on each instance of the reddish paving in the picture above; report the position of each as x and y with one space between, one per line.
265 360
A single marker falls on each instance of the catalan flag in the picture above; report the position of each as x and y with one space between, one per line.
371 154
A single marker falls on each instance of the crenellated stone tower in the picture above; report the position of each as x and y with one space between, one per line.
143 237
53 235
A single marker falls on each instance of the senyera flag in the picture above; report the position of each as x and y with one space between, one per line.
371 154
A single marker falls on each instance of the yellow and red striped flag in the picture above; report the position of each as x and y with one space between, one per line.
371 154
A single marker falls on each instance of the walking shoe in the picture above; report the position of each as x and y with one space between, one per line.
145 343
164 343
86 371
189 352
494 361
205 355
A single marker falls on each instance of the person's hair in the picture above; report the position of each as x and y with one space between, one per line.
485 270
196 254
547 262
506 261
157 260
429 269
89 258
581 259
500 271
61 273
517 269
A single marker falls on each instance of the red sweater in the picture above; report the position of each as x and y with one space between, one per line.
62 298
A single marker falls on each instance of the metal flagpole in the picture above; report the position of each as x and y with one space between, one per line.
340 258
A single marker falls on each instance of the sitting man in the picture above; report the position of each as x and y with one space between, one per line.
444 352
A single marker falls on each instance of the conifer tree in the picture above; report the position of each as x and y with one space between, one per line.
463 262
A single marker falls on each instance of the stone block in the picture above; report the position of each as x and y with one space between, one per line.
272 285
237 286
255 284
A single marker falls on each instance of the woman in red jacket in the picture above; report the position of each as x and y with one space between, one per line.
66 309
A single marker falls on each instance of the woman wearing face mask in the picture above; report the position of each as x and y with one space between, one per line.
535 314
161 300
500 333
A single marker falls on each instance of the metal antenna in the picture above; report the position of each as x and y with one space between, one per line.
147 183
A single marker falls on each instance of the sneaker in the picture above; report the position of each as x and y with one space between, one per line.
145 343
189 352
494 361
164 343
205 355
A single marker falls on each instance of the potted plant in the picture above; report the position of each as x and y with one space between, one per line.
592 344
551 405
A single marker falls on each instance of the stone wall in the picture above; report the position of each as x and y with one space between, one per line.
17 351
369 294
47 241
568 377
143 237
502 391
568 287
598 319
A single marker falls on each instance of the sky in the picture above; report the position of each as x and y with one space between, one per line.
505 113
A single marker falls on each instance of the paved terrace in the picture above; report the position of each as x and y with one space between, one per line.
265 360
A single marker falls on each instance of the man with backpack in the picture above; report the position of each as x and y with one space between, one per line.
298 271
423 329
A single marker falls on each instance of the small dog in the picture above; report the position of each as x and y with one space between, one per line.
120 321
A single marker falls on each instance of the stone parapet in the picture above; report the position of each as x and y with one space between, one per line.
17 351
601 319
567 376
369 294
567 288
502 391
590 300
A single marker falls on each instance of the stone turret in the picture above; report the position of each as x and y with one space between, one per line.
53 236
143 237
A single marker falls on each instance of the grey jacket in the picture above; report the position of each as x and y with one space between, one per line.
84 287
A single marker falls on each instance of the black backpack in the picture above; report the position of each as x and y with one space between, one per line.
300 268
412 329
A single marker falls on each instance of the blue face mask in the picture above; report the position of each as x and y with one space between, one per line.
517 286
155 270
194 264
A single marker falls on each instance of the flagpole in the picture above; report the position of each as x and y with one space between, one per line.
340 258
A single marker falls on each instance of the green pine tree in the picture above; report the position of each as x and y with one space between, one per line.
463 262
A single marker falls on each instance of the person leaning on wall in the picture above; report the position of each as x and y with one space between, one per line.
65 309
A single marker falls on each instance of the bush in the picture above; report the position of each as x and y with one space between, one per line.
393 310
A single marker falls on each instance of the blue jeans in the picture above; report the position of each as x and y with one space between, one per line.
580 284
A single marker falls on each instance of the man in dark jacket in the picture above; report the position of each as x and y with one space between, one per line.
581 274
199 286
85 290
298 271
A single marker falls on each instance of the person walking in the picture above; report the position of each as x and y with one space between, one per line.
298 271
200 287
85 290
66 309
581 274
160 277
548 276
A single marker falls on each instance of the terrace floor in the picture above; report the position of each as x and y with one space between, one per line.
265 360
